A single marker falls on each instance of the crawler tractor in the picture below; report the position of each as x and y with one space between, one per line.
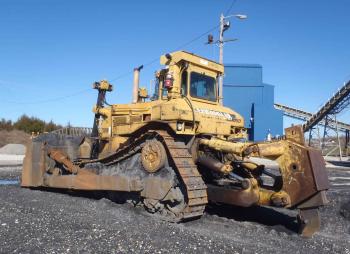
178 149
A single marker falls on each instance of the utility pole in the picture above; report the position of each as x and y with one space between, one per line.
221 57
224 25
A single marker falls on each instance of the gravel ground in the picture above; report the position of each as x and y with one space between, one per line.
10 173
34 221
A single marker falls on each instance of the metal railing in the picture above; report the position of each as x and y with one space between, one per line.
74 131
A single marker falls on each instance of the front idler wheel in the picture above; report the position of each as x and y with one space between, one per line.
153 156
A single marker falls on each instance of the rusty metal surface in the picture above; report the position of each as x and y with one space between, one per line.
82 179
32 173
303 175
272 198
245 198
62 158
225 146
153 156
93 182
318 166
295 134
156 188
315 201
302 168
214 164
296 171
269 150
309 221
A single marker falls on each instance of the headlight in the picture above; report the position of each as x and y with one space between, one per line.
179 126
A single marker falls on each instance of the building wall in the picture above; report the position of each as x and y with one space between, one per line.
245 92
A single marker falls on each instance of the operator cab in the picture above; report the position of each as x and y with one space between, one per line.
187 75
193 84
201 86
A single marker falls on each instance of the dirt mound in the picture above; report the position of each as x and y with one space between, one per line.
14 137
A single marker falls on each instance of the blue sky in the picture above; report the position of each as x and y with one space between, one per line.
52 51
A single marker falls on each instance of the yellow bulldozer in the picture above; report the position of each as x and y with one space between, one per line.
178 149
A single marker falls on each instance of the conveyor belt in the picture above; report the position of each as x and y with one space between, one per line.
339 101
305 116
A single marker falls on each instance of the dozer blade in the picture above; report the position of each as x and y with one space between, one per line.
309 221
302 183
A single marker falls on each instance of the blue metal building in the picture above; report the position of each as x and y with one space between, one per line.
245 92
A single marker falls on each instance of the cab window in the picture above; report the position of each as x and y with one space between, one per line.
155 95
164 91
184 83
202 86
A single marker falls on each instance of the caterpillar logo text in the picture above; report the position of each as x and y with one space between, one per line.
217 114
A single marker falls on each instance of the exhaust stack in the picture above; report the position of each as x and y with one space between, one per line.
135 91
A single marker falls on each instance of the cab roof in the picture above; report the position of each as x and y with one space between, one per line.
178 56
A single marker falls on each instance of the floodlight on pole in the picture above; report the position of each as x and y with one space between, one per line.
224 25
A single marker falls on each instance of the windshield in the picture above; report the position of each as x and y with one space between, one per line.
203 87
155 95
159 86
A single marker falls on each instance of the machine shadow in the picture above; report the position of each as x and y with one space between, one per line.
270 217
263 215
96 195
113 196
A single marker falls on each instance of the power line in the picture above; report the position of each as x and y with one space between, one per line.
131 71
197 38
181 46
231 6
128 72
177 48
121 76
51 99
